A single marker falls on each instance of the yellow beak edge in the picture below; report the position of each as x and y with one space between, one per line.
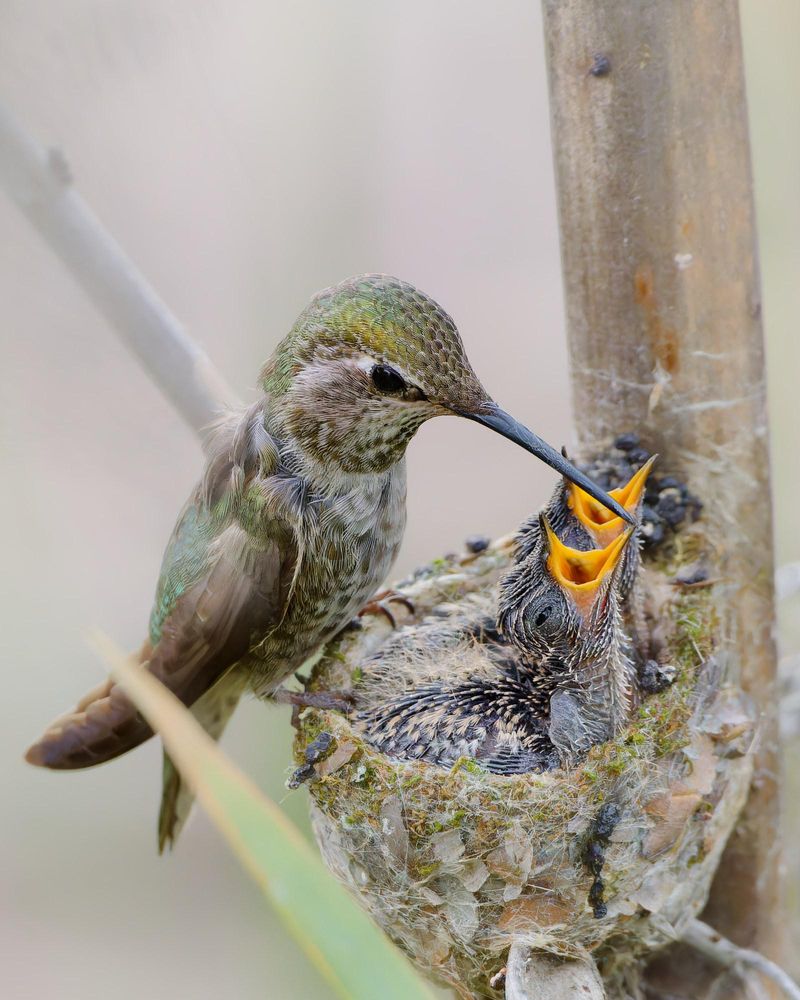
580 574
601 524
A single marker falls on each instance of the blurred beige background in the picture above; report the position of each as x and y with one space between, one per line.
246 153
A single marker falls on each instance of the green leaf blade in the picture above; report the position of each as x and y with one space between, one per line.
350 951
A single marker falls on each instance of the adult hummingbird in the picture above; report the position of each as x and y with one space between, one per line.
298 516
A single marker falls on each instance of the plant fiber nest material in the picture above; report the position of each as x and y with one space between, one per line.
455 864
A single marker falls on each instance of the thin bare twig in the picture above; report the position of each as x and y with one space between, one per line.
724 952
38 181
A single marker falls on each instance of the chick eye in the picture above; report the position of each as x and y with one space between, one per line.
542 616
386 379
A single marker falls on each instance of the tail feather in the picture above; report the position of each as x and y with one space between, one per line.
104 724
212 711
240 592
177 800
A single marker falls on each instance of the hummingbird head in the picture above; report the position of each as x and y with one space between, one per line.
369 361
562 602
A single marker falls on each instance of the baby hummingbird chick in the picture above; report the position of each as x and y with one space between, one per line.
565 609
562 685
298 515
582 523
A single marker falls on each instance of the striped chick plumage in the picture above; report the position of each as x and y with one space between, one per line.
554 680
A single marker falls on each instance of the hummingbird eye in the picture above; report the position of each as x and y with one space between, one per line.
386 379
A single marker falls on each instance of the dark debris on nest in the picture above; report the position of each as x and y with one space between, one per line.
595 854
667 501
655 677
320 748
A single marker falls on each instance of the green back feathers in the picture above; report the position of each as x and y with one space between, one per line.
184 563
241 455
382 317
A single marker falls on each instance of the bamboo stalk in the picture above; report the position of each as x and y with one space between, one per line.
663 309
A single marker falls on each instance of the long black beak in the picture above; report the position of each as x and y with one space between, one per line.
490 415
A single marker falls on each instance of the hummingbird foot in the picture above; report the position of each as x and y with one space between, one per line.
326 701
380 605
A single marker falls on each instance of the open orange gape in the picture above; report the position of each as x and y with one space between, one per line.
581 574
604 526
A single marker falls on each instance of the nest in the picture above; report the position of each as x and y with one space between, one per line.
606 859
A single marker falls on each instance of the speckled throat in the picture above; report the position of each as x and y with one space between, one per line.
349 527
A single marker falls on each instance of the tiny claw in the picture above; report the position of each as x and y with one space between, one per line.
379 605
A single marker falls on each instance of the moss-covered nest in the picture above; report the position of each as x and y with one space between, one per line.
454 864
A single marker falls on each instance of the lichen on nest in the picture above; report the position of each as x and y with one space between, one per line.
455 863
